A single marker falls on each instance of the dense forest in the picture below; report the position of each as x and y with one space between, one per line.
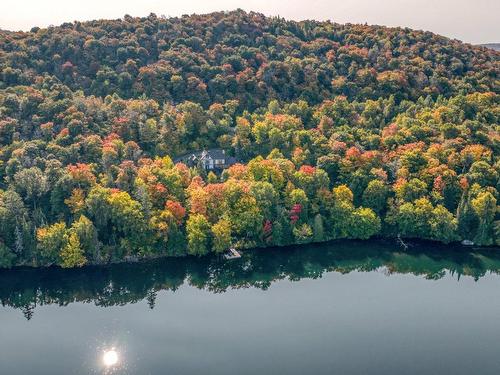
340 131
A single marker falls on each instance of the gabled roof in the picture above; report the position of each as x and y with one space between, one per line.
215 153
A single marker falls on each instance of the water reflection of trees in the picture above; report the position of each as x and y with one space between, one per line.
129 283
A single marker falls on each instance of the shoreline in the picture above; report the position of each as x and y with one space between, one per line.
412 245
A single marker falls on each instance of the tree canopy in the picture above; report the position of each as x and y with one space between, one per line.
340 131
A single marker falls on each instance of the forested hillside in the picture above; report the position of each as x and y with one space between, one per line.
495 46
341 131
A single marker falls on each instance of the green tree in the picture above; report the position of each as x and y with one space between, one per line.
72 254
411 190
466 217
51 241
375 196
303 233
212 178
221 234
243 211
412 220
198 234
485 207
482 173
341 210
13 219
87 235
443 225
267 197
364 223
7 257
318 229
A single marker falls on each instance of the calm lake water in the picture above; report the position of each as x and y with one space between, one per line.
343 308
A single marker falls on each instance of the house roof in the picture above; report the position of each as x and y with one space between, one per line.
215 153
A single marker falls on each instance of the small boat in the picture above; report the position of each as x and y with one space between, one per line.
467 243
232 253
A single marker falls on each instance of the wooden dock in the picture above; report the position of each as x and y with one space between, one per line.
232 253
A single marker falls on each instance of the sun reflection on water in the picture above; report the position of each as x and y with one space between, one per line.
110 357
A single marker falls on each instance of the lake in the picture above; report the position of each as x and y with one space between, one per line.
339 308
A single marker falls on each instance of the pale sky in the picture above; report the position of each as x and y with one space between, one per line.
473 21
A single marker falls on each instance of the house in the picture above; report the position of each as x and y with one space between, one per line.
210 160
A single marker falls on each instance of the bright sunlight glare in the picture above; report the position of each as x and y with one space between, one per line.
110 357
